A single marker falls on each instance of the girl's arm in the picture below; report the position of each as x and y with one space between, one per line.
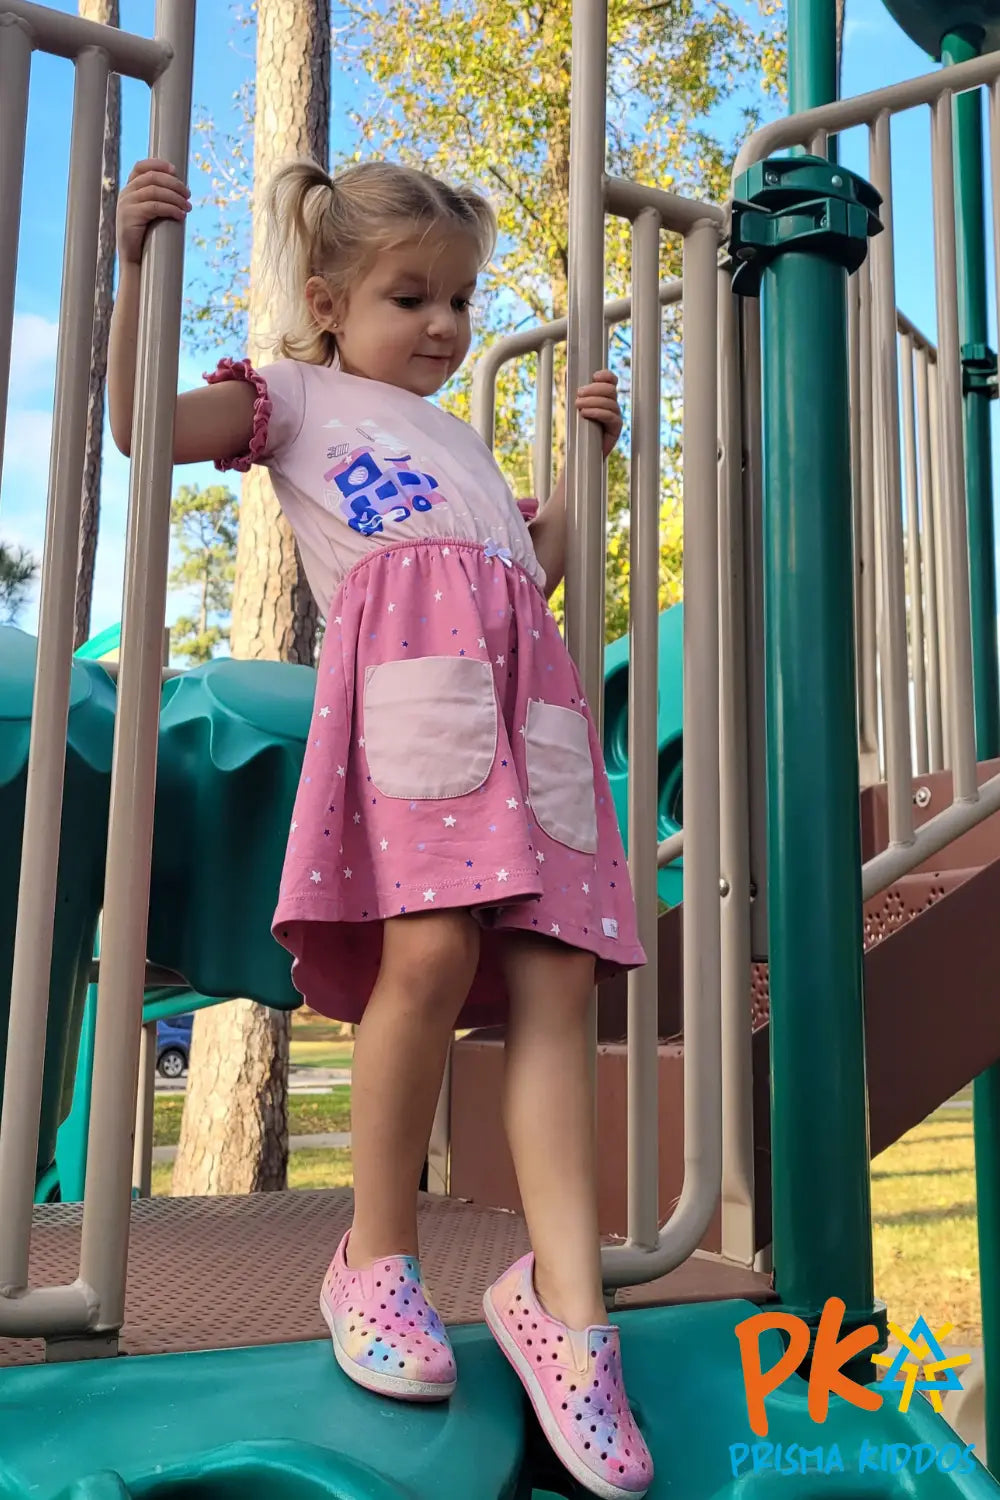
214 423
598 402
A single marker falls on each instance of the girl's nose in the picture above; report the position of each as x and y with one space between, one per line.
443 323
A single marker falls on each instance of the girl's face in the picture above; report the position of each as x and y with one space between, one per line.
407 321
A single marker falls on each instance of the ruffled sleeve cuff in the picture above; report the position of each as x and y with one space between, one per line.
242 369
528 508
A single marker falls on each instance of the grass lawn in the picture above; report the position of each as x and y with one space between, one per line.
306 1169
312 1053
308 1114
924 1210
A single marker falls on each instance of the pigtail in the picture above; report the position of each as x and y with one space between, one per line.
300 203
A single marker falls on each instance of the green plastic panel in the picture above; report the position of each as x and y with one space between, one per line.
669 811
929 21
284 1423
81 862
232 737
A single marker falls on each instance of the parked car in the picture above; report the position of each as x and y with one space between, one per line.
173 1045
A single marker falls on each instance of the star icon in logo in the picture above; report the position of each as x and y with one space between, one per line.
920 1364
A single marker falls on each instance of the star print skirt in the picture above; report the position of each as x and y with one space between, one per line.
451 763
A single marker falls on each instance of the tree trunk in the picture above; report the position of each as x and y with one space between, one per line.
107 12
234 1130
235 1133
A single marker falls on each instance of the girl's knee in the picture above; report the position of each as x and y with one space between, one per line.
434 953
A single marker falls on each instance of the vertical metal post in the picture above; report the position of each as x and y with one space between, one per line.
142 1151
914 548
813 76
979 368
104 1247
643 1063
820 1177
15 69
929 550
36 898
753 591
542 447
584 347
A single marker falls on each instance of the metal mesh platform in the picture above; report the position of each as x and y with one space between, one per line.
214 1273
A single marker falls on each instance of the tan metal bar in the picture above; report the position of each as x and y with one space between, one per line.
142 1151
941 567
753 554
528 341
888 499
738 1231
66 35
439 1145
951 823
625 1265
104 1245
643 768
670 849
585 329
36 899
46 1311
919 340
15 69
928 533
628 199
542 446
868 717
799 130
961 727
917 636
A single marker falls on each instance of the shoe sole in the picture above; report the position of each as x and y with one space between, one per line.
396 1386
561 1448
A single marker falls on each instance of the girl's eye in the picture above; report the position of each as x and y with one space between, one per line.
407 302
462 304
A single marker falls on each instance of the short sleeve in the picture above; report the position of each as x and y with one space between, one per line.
528 509
278 408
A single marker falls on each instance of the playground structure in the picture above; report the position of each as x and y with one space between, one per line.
769 519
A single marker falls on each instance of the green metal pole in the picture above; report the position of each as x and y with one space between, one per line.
979 375
807 222
813 74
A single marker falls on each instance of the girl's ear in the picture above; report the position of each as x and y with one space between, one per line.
321 303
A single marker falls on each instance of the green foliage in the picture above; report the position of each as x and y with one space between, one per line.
204 524
18 571
479 90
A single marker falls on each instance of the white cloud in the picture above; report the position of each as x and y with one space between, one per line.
33 356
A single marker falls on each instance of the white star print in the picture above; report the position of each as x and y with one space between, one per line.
583 703
438 596
294 825
315 877
384 845
361 743
586 889
338 619
501 874
445 551
523 730
501 660
406 562
536 634
357 817
341 772
555 929
481 643
324 712
390 609
348 872
429 895
449 821
512 803
540 857
474 588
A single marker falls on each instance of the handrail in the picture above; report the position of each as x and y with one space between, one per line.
95 1302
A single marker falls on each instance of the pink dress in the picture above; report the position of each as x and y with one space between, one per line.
452 761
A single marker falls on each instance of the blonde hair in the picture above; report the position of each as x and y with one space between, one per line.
335 227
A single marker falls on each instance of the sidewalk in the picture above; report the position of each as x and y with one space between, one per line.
325 1141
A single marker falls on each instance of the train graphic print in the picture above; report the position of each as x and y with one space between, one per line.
371 493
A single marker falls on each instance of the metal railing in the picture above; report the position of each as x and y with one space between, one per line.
95 1301
943 677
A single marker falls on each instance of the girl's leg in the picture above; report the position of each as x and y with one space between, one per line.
428 964
549 1116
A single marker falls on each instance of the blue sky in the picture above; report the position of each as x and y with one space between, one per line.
876 53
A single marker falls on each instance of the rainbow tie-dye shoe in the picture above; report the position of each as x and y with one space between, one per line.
386 1334
574 1382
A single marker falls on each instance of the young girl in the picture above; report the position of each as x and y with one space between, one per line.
454 857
